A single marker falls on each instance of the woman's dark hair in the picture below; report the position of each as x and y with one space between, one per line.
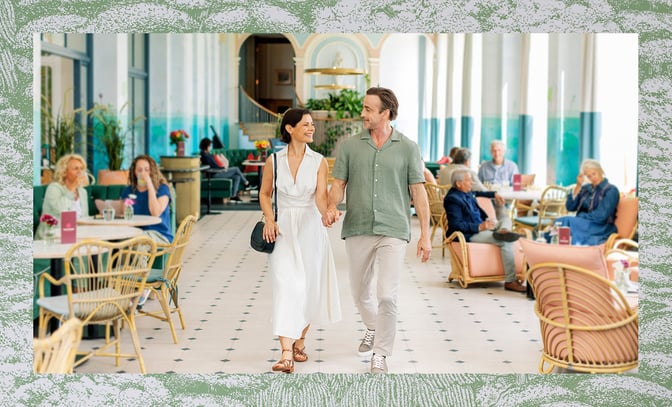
462 156
387 100
453 151
205 143
291 117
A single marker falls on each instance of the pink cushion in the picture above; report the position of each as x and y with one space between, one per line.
487 206
218 160
587 257
626 216
250 168
486 259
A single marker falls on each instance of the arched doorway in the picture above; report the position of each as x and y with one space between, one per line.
266 71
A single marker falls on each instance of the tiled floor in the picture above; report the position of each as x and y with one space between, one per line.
225 292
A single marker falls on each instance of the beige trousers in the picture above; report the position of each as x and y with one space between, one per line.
378 309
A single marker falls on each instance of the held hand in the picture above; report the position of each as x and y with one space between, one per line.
330 217
499 199
579 179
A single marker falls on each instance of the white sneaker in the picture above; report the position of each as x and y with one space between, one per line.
366 347
378 364
143 298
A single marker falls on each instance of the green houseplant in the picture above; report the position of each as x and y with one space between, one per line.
111 134
348 103
344 109
61 129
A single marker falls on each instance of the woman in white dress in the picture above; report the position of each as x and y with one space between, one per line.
305 288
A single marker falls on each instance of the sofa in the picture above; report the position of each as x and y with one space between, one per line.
222 188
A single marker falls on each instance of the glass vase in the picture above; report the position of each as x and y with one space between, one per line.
50 237
128 212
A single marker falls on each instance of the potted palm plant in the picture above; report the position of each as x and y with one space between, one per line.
112 138
60 129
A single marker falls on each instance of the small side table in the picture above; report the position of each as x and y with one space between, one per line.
209 173
260 166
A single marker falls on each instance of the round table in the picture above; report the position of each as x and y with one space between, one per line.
137 220
55 252
525 195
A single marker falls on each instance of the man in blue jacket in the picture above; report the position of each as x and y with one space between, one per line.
464 215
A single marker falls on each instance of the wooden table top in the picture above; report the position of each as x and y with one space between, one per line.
137 220
42 250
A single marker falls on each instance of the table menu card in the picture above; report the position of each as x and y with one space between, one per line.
517 184
564 237
68 227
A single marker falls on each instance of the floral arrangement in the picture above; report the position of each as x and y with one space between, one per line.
262 145
178 135
130 200
49 220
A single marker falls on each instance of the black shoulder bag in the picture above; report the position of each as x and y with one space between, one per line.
257 238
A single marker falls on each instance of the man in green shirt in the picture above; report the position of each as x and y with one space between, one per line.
379 167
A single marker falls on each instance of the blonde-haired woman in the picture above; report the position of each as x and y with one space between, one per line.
66 192
595 204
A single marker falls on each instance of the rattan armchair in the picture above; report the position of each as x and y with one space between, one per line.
103 282
163 282
624 249
586 322
56 353
479 262
523 207
626 221
435 195
550 206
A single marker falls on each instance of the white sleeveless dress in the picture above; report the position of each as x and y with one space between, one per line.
303 274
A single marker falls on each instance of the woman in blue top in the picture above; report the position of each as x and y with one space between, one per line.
152 196
595 205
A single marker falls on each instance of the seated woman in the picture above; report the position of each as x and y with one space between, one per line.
66 192
234 173
152 196
595 205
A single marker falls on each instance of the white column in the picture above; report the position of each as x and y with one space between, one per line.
374 71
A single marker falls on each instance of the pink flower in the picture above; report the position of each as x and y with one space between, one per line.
130 201
49 220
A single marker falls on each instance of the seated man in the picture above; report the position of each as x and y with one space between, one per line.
462 159
498 170
464 215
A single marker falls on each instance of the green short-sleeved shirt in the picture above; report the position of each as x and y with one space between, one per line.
378 199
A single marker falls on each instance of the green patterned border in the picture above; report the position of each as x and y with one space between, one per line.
19 19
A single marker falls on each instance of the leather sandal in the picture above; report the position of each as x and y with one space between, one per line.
299 354
284 365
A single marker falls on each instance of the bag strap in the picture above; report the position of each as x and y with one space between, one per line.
275 189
